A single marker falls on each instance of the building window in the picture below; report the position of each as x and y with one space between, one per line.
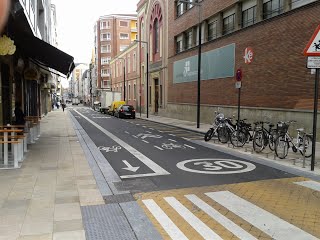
104 25
134 92
179 46
272 8
106 84
188 39
123 24
156 35
105 60
212 30
134 62
179 8
105 72
124 36
108 48
129 92
104 48
249 16
128 63
123 47
105 36
228 24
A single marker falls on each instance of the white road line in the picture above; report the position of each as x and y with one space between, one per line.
172 230
144 126
228 224
172 140
272 225
137 124
195 222
151 128
158 148
148 132
158 170
134 136
172 135
189 146
185 138
127 132
145 141
310 184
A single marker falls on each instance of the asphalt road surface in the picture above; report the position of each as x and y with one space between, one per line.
163 156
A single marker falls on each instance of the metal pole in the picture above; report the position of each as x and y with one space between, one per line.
124 81
315 114
199 70
147 82
239 94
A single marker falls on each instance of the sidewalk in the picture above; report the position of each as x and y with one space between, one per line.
43 199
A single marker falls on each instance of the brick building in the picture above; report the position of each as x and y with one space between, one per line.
276 83
113 34
125 78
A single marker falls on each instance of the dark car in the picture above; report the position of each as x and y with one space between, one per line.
125 111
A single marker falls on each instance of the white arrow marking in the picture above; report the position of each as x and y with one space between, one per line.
129 166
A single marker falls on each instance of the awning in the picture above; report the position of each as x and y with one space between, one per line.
44 53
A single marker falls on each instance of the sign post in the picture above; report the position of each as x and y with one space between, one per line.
238 85
312 50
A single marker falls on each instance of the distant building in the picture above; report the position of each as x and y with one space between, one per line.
113 34
76 82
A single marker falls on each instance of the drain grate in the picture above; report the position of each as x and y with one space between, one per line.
136 185
120 198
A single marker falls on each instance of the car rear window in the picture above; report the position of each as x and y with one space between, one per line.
127 108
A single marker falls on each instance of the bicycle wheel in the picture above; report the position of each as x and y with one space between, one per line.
258 141
308 147
281 146
272 140
238 138
223 134
208 135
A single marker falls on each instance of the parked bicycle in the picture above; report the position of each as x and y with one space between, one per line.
263 137
213 130
242 133
284 140
225 129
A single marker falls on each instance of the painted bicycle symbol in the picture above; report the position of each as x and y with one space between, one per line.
172 146
109 149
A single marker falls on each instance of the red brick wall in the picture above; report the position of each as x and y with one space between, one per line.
277 78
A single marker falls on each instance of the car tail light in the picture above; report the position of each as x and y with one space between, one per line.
121 110
133 110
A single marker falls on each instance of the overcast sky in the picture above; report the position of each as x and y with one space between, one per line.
76 18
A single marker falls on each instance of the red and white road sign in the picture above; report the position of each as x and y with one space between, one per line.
248 55
313 46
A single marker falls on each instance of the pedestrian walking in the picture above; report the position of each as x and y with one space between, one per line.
63 106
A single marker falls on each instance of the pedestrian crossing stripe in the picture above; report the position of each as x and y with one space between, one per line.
223 214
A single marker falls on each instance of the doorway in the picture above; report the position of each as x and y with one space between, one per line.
5 98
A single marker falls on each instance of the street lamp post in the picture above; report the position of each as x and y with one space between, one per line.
199 57
124 78
147 77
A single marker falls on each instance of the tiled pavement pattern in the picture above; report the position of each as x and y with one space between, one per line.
269 209
43 199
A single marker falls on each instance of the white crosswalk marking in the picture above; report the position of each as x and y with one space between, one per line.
263 220
195 222
228 224
310 184
173 231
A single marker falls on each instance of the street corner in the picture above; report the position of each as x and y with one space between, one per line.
286 208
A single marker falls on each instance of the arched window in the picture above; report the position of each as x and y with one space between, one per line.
156 35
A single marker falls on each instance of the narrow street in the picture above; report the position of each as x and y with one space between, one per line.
191 191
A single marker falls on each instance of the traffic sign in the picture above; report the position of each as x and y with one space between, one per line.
239 74
313 46
248 55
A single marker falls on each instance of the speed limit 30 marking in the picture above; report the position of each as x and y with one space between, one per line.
215 166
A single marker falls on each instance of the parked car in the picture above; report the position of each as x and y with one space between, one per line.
125 111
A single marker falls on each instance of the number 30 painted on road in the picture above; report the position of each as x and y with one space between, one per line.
216 166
